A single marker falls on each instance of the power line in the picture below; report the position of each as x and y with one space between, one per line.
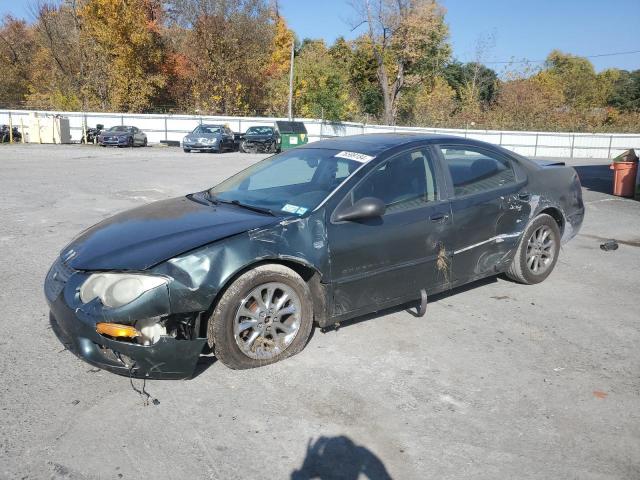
582 56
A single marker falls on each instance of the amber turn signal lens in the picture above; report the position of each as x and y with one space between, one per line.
117 330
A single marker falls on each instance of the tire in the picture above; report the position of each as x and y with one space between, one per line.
144 144
130 142
186 150
520 269
227 314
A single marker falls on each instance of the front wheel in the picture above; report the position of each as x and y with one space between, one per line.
537 252
186 150
266 315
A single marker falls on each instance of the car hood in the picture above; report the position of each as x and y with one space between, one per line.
145 236
115 134
194 137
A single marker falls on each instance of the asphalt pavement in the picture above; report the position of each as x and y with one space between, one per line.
498 380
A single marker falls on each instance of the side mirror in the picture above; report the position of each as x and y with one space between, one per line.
367 207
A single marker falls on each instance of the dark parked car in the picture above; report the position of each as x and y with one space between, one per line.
315 235
261 139
9 135
209 138
122 136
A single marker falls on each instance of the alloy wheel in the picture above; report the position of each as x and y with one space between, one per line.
267 320
541 249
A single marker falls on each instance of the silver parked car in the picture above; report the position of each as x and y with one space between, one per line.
209 138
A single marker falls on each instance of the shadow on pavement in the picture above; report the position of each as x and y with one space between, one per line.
331 458
597 178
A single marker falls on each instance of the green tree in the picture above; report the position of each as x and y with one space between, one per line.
363 72
471 76
626 91
320 84
576 77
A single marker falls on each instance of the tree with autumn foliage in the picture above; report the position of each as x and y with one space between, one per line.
408 39
276 96
127 38
17 47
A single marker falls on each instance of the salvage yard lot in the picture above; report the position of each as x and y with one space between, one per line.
498 380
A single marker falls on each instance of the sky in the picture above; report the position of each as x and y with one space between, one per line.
511 29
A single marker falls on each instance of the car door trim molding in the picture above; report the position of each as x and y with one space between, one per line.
498 239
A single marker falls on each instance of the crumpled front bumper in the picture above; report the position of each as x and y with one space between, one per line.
168 358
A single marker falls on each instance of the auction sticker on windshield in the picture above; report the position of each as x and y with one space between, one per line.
358 157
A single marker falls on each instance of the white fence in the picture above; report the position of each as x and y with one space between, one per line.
159 127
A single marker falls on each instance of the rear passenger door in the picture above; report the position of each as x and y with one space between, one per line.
489 209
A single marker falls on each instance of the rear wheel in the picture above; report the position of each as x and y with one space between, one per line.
265 316
537 252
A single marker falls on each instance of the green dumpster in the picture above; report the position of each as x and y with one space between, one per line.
292 134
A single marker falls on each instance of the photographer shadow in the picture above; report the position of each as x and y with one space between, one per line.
329 458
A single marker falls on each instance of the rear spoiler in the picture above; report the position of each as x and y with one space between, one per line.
549 163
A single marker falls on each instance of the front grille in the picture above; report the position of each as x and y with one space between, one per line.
56 279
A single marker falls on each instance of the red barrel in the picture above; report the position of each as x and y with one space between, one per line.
624 178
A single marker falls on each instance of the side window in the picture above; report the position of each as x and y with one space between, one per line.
475 170
405 181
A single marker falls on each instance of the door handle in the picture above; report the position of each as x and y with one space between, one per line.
439 217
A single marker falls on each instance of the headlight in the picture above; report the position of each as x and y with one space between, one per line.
118 289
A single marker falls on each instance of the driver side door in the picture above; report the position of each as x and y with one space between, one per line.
386 260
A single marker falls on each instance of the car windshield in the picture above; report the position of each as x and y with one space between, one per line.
207 129
120 129
260 131
293 182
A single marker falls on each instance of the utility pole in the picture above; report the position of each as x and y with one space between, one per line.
291 82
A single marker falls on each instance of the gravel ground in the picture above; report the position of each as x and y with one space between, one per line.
499 380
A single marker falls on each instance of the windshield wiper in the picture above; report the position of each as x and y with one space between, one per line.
238 203
210 197
268 211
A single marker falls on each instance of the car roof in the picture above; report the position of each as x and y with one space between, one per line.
376 143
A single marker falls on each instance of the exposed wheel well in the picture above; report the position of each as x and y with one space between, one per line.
556 215
308 274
